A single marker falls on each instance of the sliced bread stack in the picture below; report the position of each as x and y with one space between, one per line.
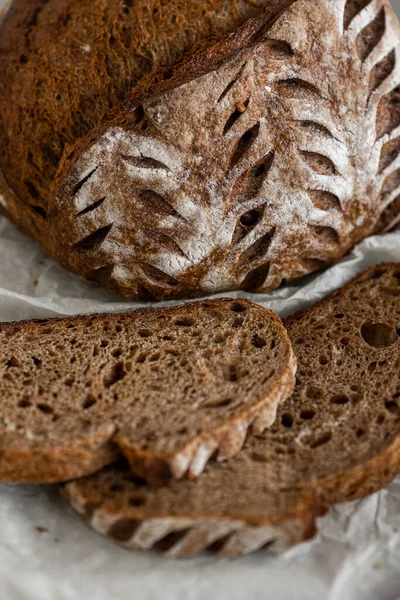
131 403
337 438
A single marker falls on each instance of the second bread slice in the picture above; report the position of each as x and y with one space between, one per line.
166 387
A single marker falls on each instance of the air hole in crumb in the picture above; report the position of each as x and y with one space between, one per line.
137 500
104 343
323 360
340 399
182 431
145 333
230 373
141 357
314 393
218 403
118 328
360 432
219 338
237 307
13 362
185 322
37 362
307 415
237 322
287 420
116 353
257 341
45 408
116 487
89 401
259 457
24 403
391 406
379 335
116 374
375 274
69 381
321 440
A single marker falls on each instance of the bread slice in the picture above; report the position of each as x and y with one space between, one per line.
337 438
264 158
64 63
166 387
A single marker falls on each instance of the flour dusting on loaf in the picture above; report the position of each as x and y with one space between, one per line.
270 165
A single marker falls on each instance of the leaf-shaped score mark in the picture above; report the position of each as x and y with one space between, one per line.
155 203
84 180
250 183
157 276
319 163
382 70
325 200
93 240
352 9
144 162
244 144
258 250
237 113
371 35
91 207
297 88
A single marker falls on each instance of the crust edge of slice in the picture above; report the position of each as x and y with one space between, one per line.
189 534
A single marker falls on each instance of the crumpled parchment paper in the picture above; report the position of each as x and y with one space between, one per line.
47 553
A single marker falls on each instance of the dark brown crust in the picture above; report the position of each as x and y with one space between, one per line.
43 464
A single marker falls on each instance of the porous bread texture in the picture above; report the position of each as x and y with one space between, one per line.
264 158
65 63
336 439
166 387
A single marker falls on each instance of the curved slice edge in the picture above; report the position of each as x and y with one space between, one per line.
223 442
189 535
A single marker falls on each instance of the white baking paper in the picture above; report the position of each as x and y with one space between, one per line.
47 553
